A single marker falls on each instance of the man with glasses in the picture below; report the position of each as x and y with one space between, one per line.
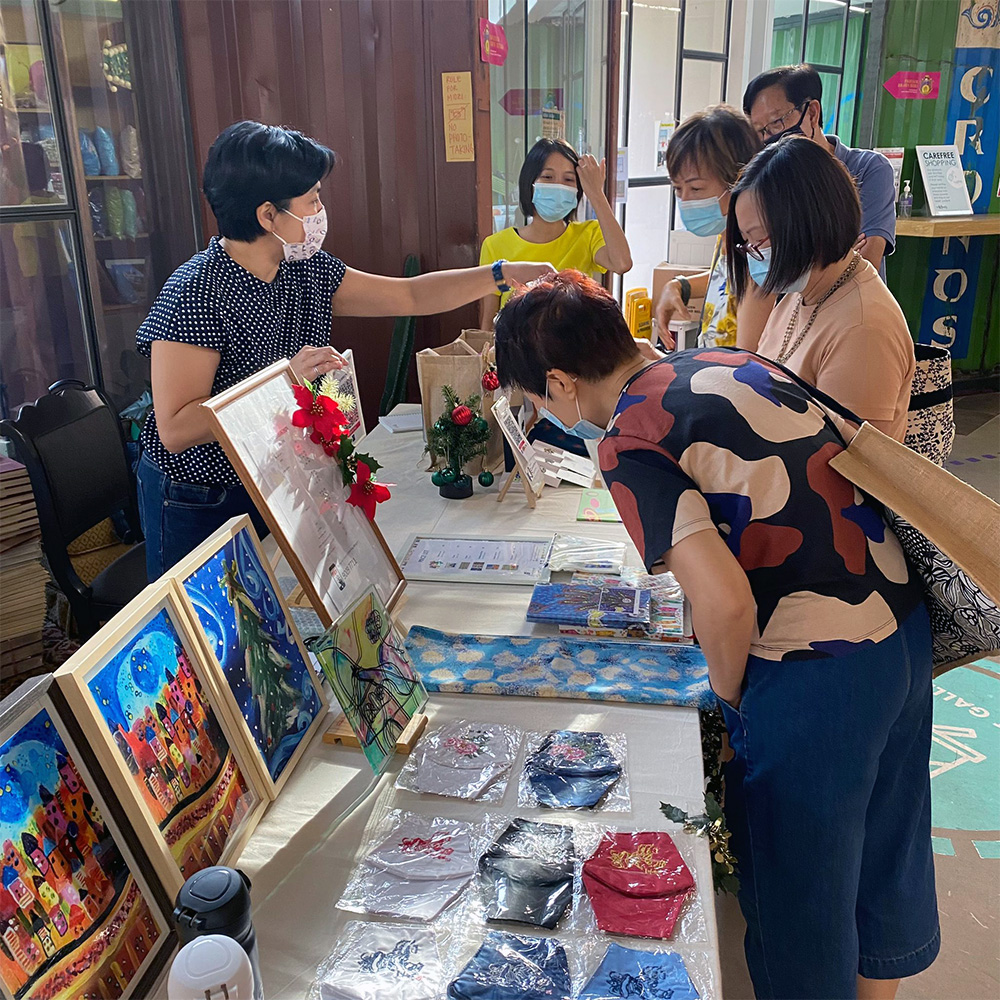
788 101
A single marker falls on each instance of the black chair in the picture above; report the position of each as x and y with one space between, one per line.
71 444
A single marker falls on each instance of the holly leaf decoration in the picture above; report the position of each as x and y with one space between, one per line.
672 813
370 462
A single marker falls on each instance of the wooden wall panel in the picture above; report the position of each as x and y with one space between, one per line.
364 77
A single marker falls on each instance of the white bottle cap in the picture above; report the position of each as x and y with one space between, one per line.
211 967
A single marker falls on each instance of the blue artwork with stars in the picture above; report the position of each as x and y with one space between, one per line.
250 637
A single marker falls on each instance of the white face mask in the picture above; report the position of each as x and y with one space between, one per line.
315 230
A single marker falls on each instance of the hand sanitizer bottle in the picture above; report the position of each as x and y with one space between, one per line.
906 201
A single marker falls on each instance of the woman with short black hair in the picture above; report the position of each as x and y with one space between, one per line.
553 180
262 290
794 217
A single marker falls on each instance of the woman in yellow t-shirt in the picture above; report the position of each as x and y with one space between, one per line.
553 180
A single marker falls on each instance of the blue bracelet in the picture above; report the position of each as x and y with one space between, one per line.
498 275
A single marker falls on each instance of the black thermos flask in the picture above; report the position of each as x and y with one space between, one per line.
216 900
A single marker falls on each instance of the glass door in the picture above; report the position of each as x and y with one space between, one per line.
44 330
552 83
676 62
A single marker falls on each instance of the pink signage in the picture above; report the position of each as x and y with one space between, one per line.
492 42
913 85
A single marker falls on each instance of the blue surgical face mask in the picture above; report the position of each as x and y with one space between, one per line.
554 202
758 271
702 216
583 429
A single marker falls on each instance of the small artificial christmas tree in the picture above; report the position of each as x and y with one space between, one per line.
460 434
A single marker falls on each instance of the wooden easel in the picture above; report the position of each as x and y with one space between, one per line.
518 470
341 733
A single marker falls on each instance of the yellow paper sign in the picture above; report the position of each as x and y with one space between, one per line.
457 93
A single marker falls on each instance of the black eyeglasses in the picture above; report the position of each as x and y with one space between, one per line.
776 127
751 249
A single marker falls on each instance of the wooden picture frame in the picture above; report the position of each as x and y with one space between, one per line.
258 663
51 909
192 789
335 552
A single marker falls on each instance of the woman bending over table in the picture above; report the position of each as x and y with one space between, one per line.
794 217
814 629
263 290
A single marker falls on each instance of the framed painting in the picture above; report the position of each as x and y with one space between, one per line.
142 694
79 915
365 660
259 665
342 387
335 552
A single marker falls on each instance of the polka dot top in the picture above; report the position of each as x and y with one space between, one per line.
211 301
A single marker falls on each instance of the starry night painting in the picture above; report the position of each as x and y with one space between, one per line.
73 920
167 734
250 637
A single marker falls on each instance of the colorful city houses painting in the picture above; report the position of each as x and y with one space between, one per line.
75 921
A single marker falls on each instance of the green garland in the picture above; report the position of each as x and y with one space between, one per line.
713 821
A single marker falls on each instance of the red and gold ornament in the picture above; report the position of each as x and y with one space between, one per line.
462 416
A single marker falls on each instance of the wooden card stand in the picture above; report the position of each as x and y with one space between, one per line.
529 493
341 733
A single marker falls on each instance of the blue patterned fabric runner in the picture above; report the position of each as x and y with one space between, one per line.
561 667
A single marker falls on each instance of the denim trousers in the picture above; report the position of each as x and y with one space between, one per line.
178 516
828 800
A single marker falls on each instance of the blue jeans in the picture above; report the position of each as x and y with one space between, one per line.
828 801
177 516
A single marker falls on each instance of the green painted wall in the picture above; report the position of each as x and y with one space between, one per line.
920 35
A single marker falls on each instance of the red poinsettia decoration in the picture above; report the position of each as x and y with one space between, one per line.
327 424
319 412
365 492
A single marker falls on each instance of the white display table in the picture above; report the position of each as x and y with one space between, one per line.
301 855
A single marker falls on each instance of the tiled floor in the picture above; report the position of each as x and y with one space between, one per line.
965 787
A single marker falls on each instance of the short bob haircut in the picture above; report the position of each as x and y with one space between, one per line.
250 164
800 83
534 164
809 203
567 321
719 141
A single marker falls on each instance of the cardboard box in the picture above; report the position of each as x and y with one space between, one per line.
664 272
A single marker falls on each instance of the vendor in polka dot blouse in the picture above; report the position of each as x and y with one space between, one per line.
261 291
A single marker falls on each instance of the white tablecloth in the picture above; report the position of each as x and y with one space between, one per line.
302 853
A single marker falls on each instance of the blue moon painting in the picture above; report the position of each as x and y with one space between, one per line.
250 637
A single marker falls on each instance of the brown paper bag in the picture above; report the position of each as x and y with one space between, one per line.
461 365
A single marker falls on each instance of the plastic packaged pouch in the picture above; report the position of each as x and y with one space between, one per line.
88 153
637 972
130 215
106 154
568 769
375 961
637 884
514 967
526 875
98 216
587 555
128 143
462 759
115 209
416 867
